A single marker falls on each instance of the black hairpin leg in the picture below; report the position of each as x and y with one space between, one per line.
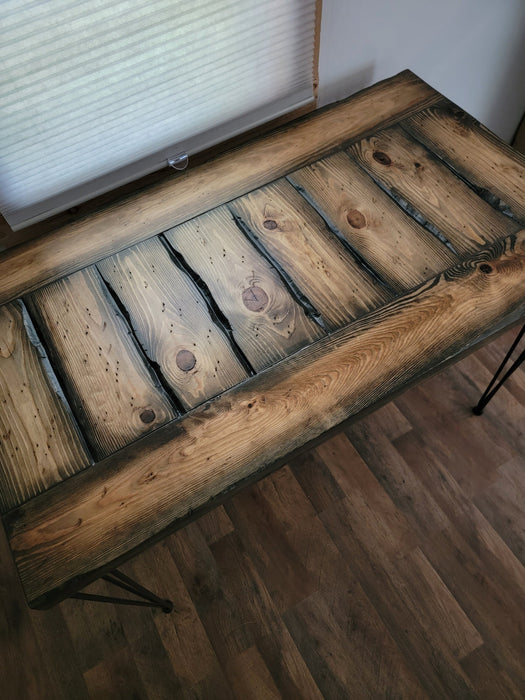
117 578
493 386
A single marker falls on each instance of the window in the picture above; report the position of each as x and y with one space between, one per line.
95 94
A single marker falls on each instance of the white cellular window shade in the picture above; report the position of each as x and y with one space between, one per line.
96 93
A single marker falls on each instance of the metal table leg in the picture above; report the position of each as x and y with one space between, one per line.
493 387
117 578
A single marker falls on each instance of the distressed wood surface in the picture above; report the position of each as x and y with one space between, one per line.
116 396
409 171
197 190
475 153
267 323
171 321
292 232
81 524
260 279
306 575
39 444
389 242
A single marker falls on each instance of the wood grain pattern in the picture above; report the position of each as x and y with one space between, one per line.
230 579
407 169
387 559
501 503
340 640
390 242
39 444
477 154
116 396
305 395
299 240
172 323
267 323
194 192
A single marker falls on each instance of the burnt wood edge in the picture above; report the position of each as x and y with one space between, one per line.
218 317
290 285
437 155
356 256
23 255
56 384
77 583
159 380
73 397
459 270
471 122
55 387
405 206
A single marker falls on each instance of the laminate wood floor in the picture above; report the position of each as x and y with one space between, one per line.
388 562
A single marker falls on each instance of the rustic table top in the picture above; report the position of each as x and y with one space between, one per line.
163 351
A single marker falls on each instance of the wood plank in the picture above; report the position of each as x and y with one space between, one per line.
477 154
115 395
299 240
235 609
489 676
390 537
33 642
71 530
408 170
316 480
476 454
287 666
399 250
327 650
281 569
411 498
94 632
215 525
495 601
172 652
267 323
230 175
462 513
495 421
406 612
24 672
172 322
115 677
402 585
485 598
502 505
247 671
382 665
182 633
39 442
54 642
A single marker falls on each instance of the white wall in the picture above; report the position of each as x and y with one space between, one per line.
473 51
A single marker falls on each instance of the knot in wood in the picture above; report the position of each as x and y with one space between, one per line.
355 218
270 224
185 360
255 299
382 158
457 114
147 416
486 268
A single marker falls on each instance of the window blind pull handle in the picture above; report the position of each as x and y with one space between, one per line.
179 161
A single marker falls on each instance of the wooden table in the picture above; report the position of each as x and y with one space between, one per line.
167 349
